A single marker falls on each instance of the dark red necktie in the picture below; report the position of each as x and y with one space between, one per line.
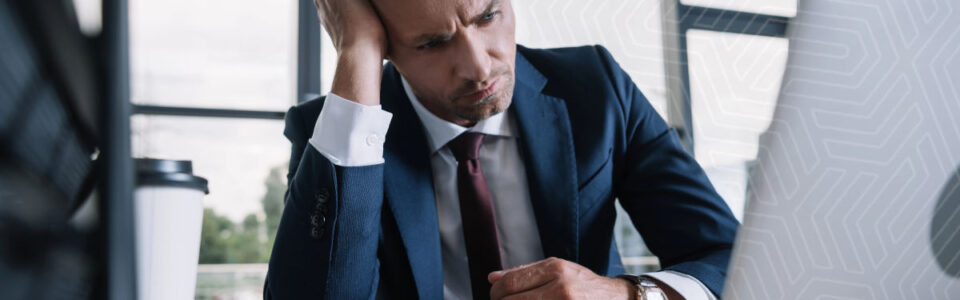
476 212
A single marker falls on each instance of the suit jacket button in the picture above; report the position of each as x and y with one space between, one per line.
317 220
323 194
316 232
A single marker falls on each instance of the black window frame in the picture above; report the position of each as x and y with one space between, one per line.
678 19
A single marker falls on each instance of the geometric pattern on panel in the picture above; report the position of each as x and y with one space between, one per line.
854 194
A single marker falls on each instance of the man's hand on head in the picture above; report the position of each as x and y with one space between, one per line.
352 24
361 42
555 278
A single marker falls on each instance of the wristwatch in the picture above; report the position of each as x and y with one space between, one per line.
646 288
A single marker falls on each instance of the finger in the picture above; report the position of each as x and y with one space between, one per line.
496 275
527 277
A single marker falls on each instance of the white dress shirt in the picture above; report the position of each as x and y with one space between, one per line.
351 134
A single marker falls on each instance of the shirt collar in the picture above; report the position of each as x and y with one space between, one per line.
441 131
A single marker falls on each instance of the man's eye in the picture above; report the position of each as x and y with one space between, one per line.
489 16
428 45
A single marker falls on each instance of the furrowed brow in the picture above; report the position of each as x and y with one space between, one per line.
429 37
490 6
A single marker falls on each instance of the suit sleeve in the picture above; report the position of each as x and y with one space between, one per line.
673 205
326 244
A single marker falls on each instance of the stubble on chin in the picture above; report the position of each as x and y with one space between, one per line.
496 103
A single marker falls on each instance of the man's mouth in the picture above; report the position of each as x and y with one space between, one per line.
484 94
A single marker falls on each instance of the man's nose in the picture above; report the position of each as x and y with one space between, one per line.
473 61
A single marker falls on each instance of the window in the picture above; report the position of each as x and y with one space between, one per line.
238 54
734 84
210 81
236 156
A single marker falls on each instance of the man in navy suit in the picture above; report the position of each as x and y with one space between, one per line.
472 167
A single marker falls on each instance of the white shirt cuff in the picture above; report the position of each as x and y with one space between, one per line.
350 134
687 286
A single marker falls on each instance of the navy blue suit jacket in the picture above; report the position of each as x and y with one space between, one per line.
587 136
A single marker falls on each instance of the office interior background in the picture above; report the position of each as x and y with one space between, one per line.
211 81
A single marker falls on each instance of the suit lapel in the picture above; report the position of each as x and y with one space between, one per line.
546 142
409 187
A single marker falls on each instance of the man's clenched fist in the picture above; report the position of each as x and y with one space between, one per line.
554 278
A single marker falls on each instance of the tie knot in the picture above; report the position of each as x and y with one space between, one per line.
466 146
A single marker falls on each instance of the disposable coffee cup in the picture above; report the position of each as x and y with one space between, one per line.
169 217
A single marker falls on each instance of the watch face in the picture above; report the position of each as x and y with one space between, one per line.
654 296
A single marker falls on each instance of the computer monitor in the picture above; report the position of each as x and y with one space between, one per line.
856 191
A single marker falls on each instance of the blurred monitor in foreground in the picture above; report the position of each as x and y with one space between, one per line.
856 194
47 132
